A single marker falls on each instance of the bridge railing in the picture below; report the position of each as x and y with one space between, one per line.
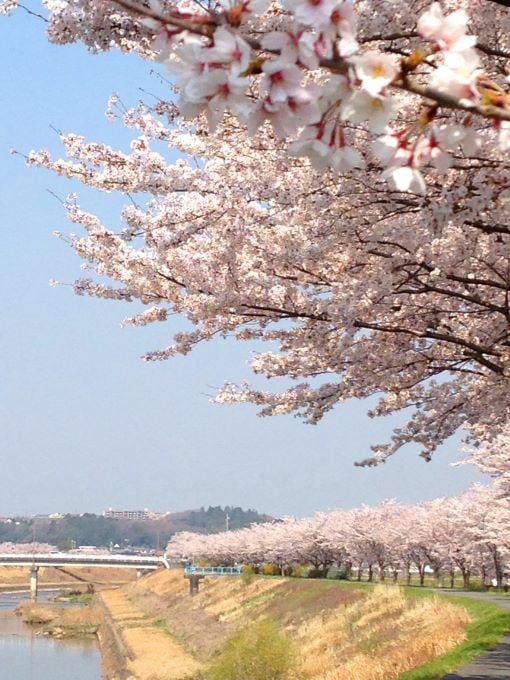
213 571
49 559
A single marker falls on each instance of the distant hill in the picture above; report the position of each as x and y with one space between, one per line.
90 529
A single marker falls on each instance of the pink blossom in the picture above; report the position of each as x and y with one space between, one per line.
405 178
229 49
449 32
378 110
311 12
300 46
375 70
280 81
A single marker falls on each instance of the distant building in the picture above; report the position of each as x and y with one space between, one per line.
140 515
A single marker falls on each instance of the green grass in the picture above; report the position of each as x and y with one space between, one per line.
161 624
75 598
260 651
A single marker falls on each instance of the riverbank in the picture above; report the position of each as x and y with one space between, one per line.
28 655
136 644
93 620
152 629
333 630
133 645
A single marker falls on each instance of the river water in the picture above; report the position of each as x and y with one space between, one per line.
24 655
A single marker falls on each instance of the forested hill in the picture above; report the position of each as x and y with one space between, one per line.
90 529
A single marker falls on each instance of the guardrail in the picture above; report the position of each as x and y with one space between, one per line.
213 571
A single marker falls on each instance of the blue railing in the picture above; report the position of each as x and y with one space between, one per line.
212 571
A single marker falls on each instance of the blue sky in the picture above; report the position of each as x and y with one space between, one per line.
85 423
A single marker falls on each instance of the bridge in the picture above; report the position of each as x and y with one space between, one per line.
61 560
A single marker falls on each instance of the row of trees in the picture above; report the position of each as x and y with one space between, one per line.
465 534
361 230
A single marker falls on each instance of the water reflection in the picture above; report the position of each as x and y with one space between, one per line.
25 655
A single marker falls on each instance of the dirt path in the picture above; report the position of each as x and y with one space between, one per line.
494 664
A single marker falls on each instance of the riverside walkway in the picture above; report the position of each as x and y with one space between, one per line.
495 663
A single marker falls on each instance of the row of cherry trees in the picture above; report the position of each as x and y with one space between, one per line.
34 547
466 534
342 194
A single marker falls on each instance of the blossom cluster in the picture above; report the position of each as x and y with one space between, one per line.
342 82
356 291
358 288
314 81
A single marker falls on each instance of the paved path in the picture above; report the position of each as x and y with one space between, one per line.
495 663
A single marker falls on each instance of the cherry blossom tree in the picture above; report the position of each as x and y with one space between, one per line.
33 547
464 534
342 194
492 459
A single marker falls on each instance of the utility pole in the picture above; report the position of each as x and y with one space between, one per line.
227 518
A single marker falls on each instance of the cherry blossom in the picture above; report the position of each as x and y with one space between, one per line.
280 50
342 195
449 32
446 537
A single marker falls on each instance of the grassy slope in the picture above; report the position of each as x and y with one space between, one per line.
488 625
313 612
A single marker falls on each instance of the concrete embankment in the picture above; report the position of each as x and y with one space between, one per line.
136 645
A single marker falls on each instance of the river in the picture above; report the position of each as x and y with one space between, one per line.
24 655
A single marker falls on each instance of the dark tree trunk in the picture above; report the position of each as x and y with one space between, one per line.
408 573
348 570
483 573
497 568
422 575
437 576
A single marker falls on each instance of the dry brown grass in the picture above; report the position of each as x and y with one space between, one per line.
20 576
228 599
121 609
153 653
157 656
60 623
379 637
342 633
